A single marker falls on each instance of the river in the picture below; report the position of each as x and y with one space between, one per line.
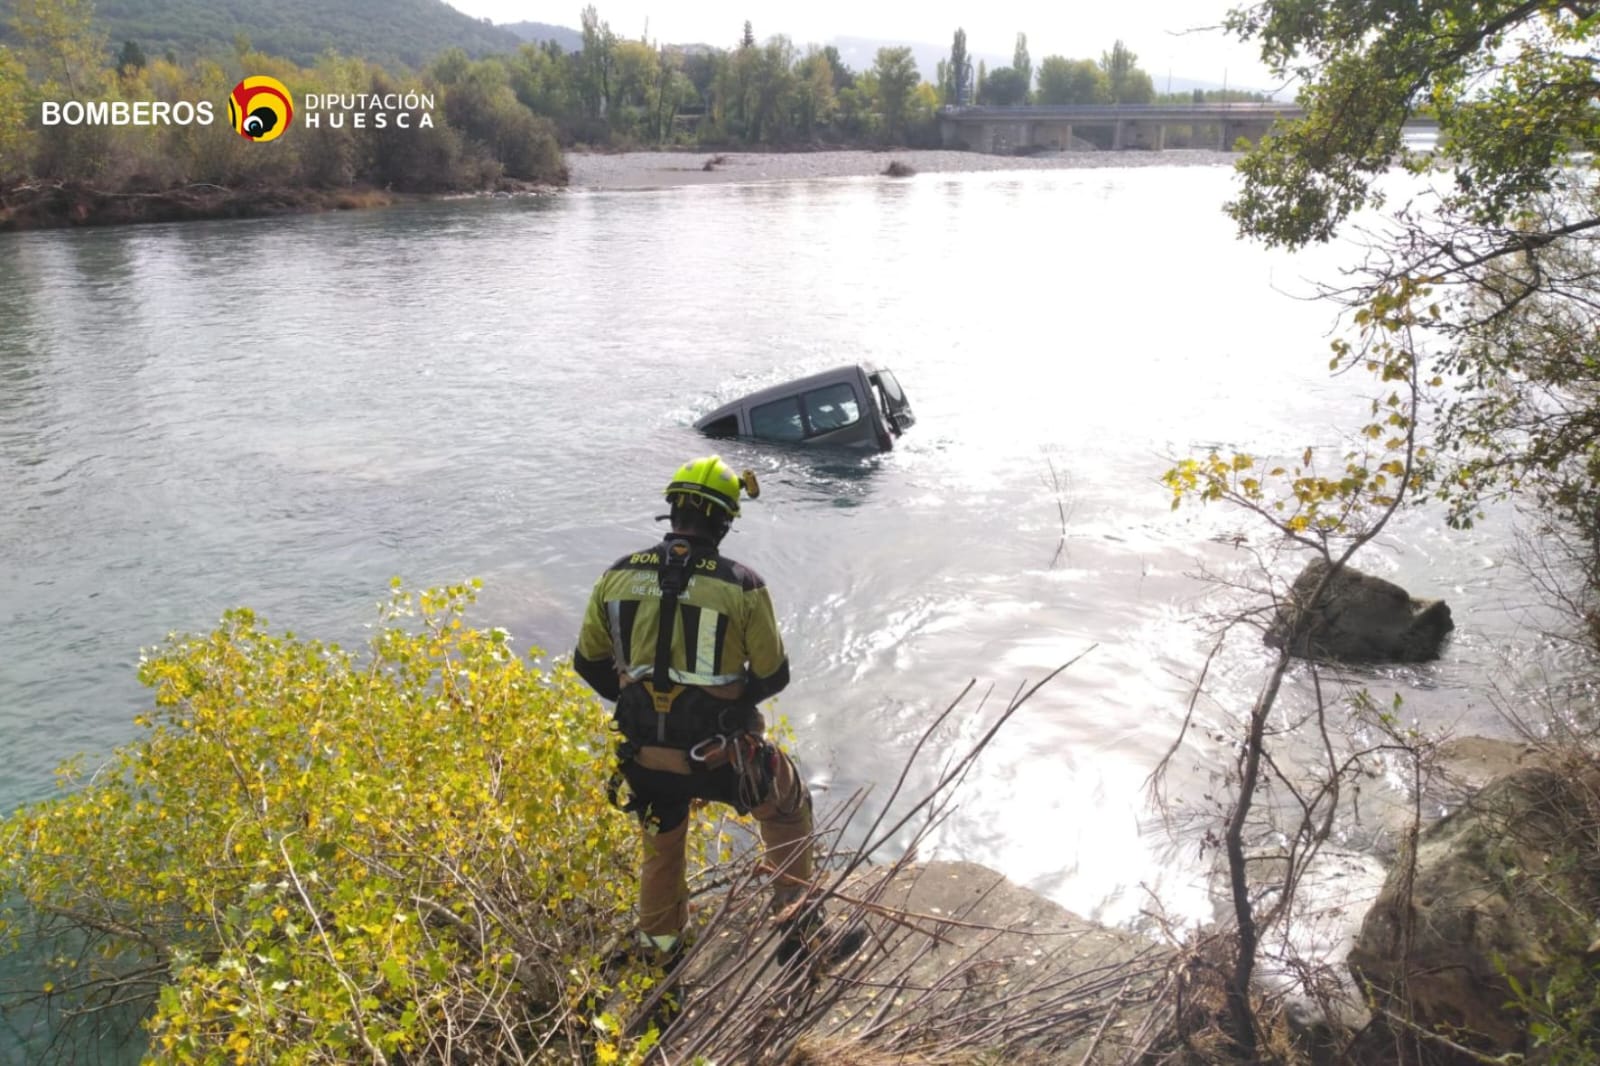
286 413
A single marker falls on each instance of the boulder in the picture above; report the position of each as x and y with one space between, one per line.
1358 618
1496 891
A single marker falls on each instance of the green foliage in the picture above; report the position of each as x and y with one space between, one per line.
131 57
897 78
328 858
481 129
1023 65
1003 87
1508 240
17 99
1314 506
59 45
1072 81
816 98
482 105
392 32
1564 1012
1128 84
595 64
955 81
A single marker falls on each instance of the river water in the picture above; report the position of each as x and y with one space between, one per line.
285 414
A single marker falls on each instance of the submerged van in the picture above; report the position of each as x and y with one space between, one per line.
855 406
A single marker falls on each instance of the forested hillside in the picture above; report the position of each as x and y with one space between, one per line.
536 32
412 32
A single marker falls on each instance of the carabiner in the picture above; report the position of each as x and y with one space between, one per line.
704 751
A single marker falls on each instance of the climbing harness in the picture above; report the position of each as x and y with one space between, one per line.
673 577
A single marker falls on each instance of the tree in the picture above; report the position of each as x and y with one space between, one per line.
748 40
484 107
771 89
60 45
859 109
1023 66
636 77
815 96
1500 261
897 76
16 140
541 80
451 67
1003 87
672 91
1128 84
131 58
596 63
1486 272
1072 81
955 87
843 78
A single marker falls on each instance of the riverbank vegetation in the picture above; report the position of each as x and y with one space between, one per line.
443 137
318 856
495 121
406 854
1475 311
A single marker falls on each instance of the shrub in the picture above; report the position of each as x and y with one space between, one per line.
310 856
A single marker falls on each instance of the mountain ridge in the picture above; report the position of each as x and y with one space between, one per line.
409 32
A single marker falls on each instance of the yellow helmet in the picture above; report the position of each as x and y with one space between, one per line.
711 483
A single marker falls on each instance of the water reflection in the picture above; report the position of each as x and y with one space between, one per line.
837 477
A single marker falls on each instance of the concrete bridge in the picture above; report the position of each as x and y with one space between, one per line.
1019 129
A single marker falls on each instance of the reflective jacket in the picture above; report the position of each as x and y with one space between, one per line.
725 634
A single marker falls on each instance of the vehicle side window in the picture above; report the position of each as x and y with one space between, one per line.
832 407
779 420
722 427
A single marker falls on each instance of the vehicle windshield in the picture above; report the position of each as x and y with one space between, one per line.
891 389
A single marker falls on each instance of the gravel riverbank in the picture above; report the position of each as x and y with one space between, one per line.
658 170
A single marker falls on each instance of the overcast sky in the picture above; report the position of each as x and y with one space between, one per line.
1169 36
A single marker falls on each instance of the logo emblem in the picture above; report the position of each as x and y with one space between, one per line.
260 109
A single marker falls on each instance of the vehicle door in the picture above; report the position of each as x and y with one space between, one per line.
834 412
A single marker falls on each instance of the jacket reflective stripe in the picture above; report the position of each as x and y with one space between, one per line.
705 652
681 677
614 615
724 623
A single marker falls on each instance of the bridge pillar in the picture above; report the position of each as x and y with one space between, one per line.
1116 135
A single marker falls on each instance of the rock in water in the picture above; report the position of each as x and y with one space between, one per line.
1358 618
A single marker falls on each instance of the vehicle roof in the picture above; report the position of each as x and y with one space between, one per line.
788 388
